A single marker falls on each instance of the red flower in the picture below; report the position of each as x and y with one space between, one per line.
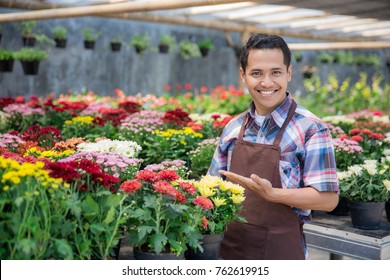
195 126
187 87
377 136
357 138
20 99
167 87
130 186
203 202
164 187
168 175
180 197
203 89
354 131
366 131
177 117
342 137
205 222
89 166
188 187
215 116
147 176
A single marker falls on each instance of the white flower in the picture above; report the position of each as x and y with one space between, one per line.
372 171
342 175
387 184
355 169
125 148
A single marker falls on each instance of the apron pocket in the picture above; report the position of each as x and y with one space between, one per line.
244 241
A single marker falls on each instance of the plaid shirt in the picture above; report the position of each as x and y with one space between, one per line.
307 153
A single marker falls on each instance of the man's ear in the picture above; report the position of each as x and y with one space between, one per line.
289 72
242 75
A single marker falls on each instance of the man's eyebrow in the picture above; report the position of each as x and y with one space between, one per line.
272 69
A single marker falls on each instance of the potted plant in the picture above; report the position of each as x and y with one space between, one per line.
6 60
162 222
28 36
140 42
325 57
367 187
188 49
167 43
60 34
297 55
205 46
30 58
90 36
227 199
116 44
308 71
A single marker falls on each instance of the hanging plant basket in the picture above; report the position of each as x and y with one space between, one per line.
28 41
6 65
89 45
116 47
30 67
60 43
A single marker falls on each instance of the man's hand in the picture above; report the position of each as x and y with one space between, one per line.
261 187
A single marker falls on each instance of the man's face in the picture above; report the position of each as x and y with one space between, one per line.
266 77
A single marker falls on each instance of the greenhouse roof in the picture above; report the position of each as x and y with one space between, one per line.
330 20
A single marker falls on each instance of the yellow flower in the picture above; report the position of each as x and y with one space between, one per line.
218 201
387 184
15 180
236 198
5 188
183 142
205 190
211 181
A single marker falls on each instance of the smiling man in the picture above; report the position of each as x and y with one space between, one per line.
281 153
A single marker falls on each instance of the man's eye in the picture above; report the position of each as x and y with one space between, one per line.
255 74
277 72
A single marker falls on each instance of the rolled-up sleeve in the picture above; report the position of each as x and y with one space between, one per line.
319 169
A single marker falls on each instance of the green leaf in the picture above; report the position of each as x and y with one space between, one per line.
110 216
143 230
158 241
97 228
90 208
63 249
141 214
18 201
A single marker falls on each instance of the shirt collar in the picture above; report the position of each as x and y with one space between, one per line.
279 114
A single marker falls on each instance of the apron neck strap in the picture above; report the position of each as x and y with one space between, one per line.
291 112
281 131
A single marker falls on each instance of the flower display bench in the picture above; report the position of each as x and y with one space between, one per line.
336 235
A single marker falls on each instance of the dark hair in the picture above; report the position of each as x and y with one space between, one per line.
265 41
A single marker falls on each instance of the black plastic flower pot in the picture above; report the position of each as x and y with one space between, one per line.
6 65
60 43
116 47
89 45
139 50
366 215
204 51
28 41
30 67
163 48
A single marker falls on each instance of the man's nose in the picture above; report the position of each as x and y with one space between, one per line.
266 82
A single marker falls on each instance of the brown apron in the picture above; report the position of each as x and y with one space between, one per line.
273 231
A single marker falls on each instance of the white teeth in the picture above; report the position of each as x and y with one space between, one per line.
266 92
